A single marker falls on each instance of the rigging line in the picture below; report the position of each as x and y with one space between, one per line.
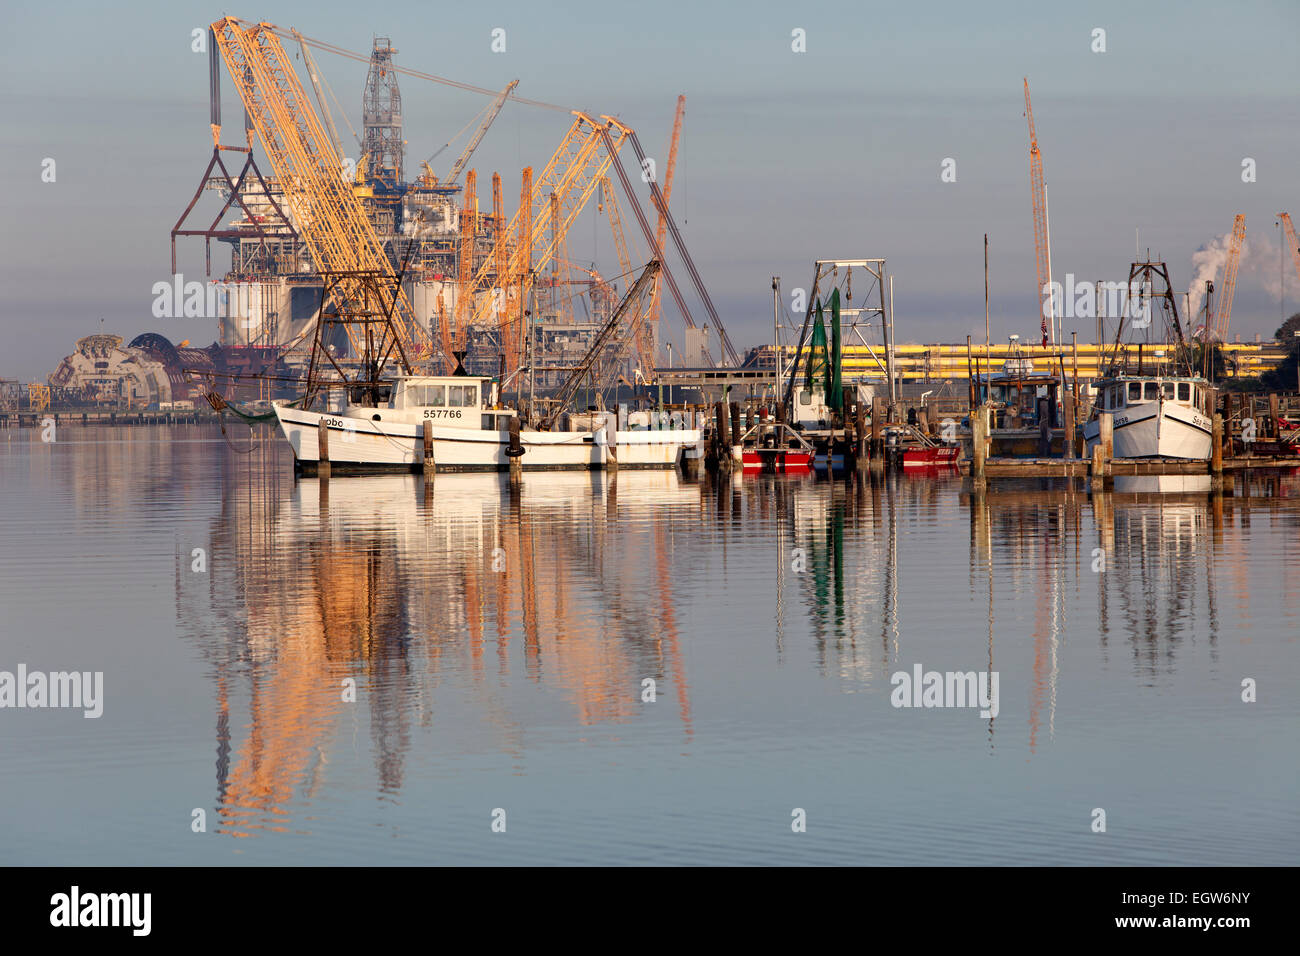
461 133
324 47
342 112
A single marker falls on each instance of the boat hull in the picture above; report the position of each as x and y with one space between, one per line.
1156 430
933 457
776 459
358 445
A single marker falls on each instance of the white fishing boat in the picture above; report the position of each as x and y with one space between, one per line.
471 431
1156 416
1163 410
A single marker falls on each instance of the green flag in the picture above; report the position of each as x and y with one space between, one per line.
818 365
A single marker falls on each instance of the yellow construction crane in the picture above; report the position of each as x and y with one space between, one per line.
573 174
1289 230
1224 312
328 215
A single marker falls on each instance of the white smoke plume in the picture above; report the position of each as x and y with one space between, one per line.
1207 266
1259 261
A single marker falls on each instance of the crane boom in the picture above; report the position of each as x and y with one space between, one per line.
1042 253
477 138
657 196
661 231
573 174
1289 229
1224 313
570 387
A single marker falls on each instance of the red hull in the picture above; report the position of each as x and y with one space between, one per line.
937 455
776 460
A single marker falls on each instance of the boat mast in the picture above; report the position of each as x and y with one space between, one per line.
776 331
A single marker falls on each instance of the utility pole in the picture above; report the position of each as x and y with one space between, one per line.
889 346
986 296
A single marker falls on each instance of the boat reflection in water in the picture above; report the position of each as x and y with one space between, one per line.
480 622
373 581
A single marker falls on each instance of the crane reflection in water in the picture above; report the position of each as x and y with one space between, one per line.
452 598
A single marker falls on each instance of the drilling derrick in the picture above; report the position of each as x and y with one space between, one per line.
381 115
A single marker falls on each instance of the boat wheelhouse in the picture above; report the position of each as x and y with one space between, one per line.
1155 416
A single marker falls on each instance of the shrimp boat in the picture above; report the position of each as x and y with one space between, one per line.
1157 416
471 431
384 418
1163 409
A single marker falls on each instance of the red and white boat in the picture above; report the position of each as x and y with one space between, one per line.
932 456
772 447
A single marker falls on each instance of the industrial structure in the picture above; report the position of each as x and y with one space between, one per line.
474 289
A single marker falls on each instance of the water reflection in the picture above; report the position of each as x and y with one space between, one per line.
457 600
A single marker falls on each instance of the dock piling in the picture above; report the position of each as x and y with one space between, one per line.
1216 452
1067 440
429 467
323 449
516 453
877 463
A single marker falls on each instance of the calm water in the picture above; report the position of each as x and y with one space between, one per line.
521 688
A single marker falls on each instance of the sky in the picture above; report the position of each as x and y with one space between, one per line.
786 157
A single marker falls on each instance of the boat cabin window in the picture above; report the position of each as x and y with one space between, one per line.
1167 391
1184 392
1152 391
462 396
1134 392
434 395
805 396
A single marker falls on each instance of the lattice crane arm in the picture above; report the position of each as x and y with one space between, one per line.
1224 313
603 339
1285 219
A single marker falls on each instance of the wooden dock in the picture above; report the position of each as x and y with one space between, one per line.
1083 468
26 419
